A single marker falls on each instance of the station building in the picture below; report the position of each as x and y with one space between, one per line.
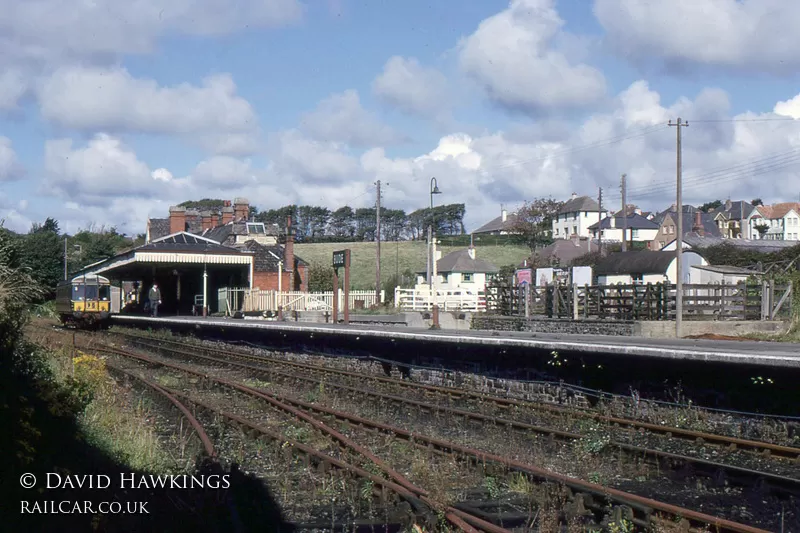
192 255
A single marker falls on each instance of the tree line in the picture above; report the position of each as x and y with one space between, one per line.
40 252
311 223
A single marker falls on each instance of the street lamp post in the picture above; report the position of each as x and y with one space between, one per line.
432 256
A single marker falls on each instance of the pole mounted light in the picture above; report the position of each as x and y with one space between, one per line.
432 256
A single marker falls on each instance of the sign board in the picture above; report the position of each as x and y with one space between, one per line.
339 259
523 275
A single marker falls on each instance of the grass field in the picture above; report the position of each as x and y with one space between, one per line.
397 257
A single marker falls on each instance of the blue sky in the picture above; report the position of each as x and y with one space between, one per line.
110 113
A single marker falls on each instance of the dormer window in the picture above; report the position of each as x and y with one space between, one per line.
257 228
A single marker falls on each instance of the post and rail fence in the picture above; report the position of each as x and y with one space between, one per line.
652 301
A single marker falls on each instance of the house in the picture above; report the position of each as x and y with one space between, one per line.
461 270
561 252
695 222
575 217
732 217
231 227
719 274
645 266
778 222
502 225
639 228
697 242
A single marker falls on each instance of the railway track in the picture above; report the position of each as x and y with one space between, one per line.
642 511
505 404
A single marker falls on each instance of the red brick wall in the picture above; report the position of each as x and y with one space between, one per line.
268 281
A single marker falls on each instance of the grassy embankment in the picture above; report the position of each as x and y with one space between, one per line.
397 257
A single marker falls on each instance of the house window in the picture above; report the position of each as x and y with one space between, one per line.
256 227
664 230
574 230
467 277
637 278
634 234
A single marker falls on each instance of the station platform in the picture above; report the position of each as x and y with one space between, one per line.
743 353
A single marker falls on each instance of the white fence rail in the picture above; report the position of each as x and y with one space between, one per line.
264 300
446 299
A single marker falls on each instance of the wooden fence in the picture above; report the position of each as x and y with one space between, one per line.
764 301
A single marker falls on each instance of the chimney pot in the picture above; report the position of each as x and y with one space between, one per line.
177 219
504 215
574 195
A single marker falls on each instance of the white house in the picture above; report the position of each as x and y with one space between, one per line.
505 224
461 269
575 217
719 274
782 222
639 228
645 266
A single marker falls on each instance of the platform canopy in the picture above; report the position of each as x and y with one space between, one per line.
177 249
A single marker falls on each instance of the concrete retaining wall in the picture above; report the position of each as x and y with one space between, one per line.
554 325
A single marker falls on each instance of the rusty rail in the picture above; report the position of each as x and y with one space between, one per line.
642 504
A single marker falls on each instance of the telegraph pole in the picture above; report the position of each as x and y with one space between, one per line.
378 242
624 216
679 240
600 220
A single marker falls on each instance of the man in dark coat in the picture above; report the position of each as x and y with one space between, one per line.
155 299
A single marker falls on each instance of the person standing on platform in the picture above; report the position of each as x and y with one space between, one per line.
155 300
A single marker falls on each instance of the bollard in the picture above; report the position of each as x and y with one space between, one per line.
280 314
435 316
327 317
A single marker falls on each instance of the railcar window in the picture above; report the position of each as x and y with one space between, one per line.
91 292
105 292
77 292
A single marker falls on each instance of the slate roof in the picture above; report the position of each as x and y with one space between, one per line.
734 210
635 221
219 233
159 227
758 245
266 258
726 269
635 262
186 242
689 213
564 251
460 261
581 203
497 224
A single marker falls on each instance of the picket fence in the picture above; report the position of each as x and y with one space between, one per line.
446 299
257 300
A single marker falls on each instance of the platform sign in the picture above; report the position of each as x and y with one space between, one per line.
523 275
340 258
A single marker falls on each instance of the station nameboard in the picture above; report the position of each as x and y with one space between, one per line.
339 258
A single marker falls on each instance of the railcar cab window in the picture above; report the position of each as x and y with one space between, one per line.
78 292
105 293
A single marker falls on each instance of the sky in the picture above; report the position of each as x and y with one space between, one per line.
112 111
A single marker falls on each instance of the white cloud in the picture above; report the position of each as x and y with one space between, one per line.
161 174
296 158
789 108
223 172
13 85
10 167
104 168
512 56
754 34
412 88
93 99
340 118
50 30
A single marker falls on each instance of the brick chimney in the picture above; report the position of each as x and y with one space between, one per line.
177 219
288 252
227 214
698 224
241 209
205 219
214 219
